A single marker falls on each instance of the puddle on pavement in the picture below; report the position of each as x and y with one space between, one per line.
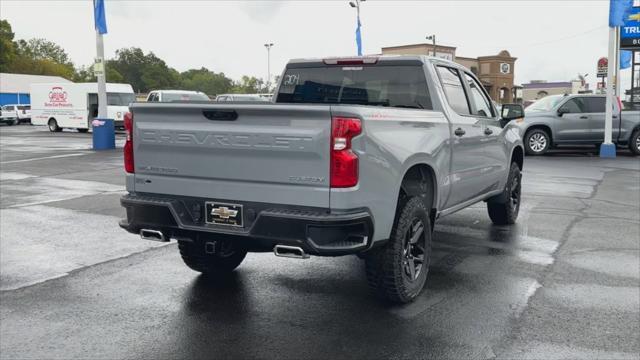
592 296
40 190
7 176
612 263
497 241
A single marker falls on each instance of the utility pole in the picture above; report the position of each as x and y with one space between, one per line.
608 149
103 131
100 74
268 47
433 38
102 83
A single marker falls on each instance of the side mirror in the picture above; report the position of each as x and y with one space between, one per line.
511 112
562 111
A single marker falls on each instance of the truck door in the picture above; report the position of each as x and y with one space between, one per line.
573 124
468 161
596 106
497 163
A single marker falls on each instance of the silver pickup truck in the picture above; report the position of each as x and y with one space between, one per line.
576 120
354 156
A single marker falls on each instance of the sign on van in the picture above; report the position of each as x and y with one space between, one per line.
58 98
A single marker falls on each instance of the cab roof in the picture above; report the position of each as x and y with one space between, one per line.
364 60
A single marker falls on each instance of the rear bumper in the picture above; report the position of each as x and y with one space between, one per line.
317 231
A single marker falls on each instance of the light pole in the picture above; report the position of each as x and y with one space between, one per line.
268 46
432 37
356 4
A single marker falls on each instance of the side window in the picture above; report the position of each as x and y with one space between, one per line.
153 97
596 104
455 91
574 106
480 100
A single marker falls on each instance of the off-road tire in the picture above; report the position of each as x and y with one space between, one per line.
505 212
386 266
53 126
532 137
194 256
634 142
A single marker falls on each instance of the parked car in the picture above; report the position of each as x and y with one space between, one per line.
7 120
14 114
355 156
21 112
576 120
176 95
75 105
242 97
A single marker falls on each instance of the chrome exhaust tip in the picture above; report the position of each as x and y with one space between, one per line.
290 252
153 235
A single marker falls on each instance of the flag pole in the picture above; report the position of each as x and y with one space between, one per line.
103 127
617 74
102 86
608 149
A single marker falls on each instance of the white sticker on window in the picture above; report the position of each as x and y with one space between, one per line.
291 79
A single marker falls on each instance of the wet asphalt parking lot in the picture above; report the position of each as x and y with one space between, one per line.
564 282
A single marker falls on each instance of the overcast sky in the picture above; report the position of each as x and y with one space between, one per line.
553 40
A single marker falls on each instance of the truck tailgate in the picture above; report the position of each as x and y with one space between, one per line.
239 152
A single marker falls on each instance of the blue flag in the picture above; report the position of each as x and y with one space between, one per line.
619 11
359 38
625 59
100 16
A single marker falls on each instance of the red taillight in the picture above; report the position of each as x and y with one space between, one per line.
344 162
128 145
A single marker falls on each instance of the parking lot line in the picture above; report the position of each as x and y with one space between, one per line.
42 158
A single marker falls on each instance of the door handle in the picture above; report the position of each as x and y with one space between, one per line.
459 132
220 115
584 117
488 131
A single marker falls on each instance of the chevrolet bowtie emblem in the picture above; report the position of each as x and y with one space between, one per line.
224 212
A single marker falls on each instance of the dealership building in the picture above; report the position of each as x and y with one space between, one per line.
537 89
494 71
16 88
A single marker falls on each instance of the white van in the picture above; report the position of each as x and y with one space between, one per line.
176 95
75 105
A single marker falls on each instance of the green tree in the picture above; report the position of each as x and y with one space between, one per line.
38 57
205 80
144 72
85 74
41 49
7 47
24 65
249 85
